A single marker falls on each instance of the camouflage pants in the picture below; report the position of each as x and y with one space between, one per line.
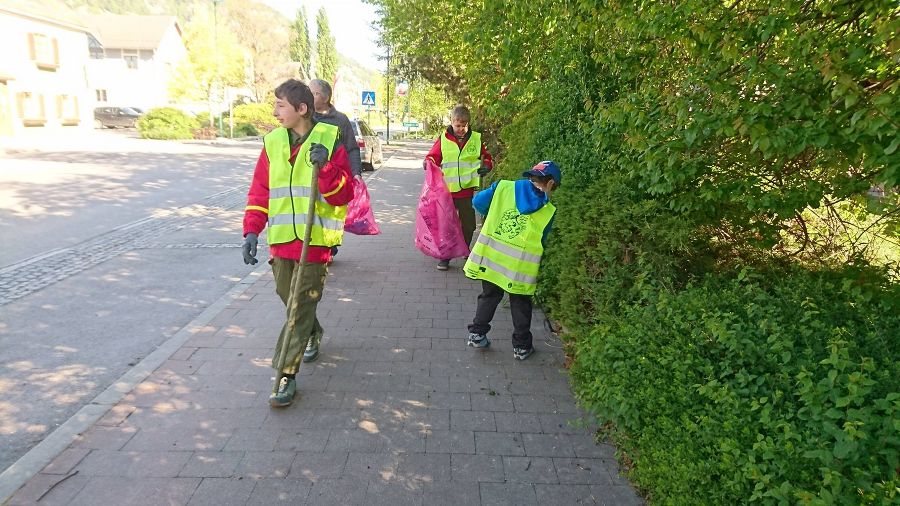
291 345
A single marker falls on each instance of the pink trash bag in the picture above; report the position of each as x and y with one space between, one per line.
438 232
360 219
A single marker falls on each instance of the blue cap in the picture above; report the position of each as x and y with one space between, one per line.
545 168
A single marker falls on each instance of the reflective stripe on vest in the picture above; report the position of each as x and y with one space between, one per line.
290 189
508 250
460 166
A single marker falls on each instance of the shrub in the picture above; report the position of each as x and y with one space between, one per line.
693 137
166 123
258 115
203 119
245 130
777 390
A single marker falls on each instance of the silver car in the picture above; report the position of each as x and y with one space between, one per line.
369 144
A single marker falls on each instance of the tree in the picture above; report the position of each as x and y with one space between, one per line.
208 66
326 52
427 103
263 34
300 46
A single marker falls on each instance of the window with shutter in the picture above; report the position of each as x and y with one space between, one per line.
31 108
44 51
67 110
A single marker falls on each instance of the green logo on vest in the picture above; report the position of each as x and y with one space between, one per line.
511 224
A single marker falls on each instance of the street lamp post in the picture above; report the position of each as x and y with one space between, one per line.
215 86
388 91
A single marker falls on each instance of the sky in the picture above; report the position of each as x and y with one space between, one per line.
350 22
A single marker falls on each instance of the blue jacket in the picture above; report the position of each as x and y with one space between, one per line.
528 200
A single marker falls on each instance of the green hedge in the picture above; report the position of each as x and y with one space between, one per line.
166 123
257 115
696 137
781 389
245 130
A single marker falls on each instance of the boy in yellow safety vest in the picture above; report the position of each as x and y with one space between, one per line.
279 199
463 158
507 254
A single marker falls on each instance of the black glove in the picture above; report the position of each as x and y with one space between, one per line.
249 249
424 164
483 170
318 155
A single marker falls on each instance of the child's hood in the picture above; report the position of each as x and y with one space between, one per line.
528 198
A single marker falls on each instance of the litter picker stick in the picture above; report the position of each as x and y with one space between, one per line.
294 297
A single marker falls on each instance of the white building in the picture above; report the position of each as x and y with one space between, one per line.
43 74
135 59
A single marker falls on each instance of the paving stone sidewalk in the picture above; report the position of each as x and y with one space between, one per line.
397 410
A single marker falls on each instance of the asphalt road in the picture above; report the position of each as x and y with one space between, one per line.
110 245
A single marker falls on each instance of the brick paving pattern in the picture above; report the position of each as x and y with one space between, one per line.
29 276
397 410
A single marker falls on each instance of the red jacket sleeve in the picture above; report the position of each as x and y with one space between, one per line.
335 178
435 153
256 214
486 158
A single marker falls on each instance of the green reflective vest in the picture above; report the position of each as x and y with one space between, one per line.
508 249
290 189
460 167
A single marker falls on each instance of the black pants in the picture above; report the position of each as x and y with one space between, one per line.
466 217
520 305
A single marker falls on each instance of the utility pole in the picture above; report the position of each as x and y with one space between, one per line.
388 94
216 57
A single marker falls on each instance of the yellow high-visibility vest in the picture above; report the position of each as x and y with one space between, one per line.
460 166
290 189
508 250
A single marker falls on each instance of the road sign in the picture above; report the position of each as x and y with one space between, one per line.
412 124
368 98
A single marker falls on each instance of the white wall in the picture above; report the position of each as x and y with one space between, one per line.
67 79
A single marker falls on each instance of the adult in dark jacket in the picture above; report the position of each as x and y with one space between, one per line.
326 113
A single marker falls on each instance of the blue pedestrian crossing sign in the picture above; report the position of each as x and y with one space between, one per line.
368 98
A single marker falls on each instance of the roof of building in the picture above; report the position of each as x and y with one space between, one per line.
62 21
130 31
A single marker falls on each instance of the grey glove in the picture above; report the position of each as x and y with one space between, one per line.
249 249
483 170
318 155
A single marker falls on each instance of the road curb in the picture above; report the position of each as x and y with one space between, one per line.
57 441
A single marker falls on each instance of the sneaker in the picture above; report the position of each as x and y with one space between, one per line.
284 394
443 265
478 340
312 350
521 353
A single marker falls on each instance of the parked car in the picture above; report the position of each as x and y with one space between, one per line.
112 117
369 144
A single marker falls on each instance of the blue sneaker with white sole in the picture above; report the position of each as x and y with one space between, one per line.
521 353
478 340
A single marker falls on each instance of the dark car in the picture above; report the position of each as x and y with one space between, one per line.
369 144
112 117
